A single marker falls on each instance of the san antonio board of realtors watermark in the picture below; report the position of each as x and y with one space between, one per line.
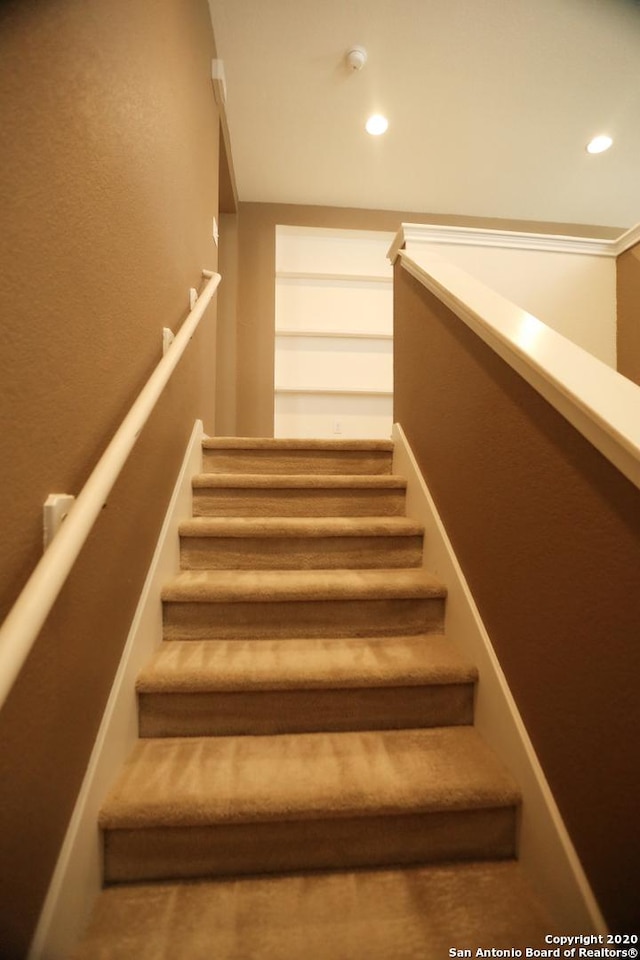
590 945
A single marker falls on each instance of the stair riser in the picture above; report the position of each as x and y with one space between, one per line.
264 713
163 853
303 461
297 502
306 618
299 553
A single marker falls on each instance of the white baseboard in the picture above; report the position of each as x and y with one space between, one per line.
546 852
77 878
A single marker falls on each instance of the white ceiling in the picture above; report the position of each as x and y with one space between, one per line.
490 105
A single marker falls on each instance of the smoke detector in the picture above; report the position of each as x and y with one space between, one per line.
356 58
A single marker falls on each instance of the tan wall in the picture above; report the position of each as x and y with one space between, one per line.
227 327
628 296
256 298
548 536
109 186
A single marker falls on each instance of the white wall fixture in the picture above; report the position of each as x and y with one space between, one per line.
168 336
219 81
54 512
356 58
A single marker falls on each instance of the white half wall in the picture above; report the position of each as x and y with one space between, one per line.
573 293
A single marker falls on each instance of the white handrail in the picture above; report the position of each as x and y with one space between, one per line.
27 616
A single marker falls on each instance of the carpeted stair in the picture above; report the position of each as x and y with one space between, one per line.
308 780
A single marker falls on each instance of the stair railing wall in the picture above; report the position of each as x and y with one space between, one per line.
27 616
531 450
600 403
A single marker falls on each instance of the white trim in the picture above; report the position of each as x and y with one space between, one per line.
546 852
30 611
332 277
628 239
219 80
333 335
340 233
77 878
512 239
333 392
600 403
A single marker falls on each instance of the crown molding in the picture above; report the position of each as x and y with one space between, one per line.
511 239
627 240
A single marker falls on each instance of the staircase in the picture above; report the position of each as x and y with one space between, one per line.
308 780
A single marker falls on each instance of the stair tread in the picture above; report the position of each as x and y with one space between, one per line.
277 585
219 665
300 527
299 480
408 914
277 443
185 782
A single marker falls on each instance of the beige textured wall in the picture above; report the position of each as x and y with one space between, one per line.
109 184
628 296
256 296
548 536
225 425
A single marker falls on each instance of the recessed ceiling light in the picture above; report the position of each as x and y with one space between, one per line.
376 125
599 144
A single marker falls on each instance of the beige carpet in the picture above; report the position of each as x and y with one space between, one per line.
218 687
271 604
311 664
306 712
298 543
248 455
203 780
297 495
411 914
